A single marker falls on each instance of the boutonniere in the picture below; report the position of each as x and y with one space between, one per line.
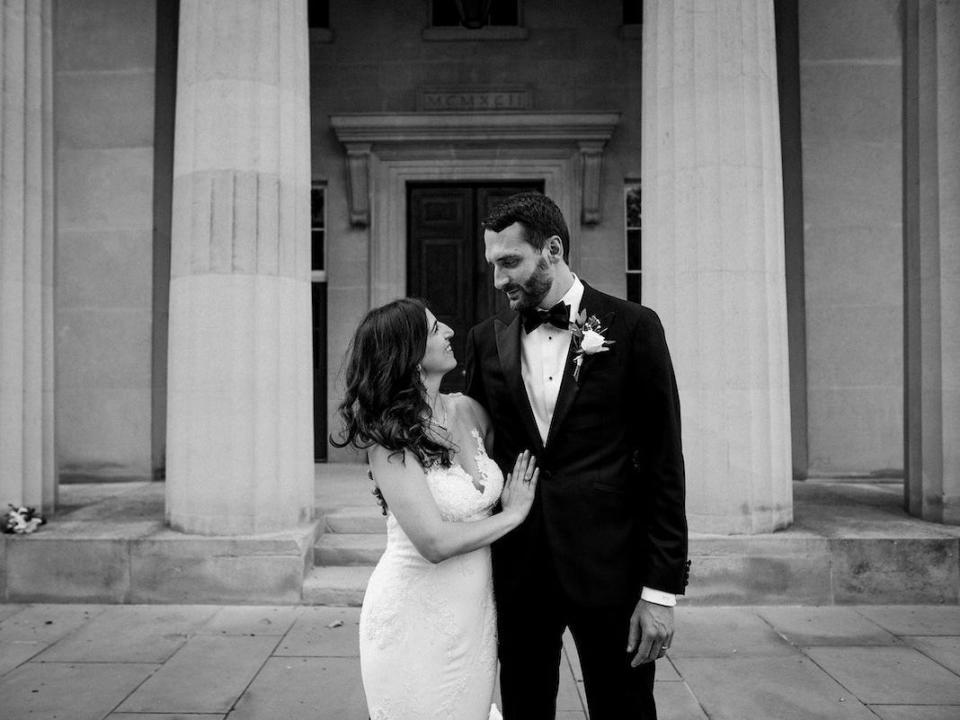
588 339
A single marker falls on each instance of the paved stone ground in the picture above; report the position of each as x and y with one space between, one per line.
216 662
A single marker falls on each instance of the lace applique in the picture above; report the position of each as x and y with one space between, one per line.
453 488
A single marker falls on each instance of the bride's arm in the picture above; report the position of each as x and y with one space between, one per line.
404 486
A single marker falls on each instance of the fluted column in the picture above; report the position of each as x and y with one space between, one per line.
27 466
239 430
931 94
713 251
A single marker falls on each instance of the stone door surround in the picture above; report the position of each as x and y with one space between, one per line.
385 151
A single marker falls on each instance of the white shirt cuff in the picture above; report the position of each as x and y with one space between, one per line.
658 597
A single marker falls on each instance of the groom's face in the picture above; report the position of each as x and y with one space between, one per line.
522 272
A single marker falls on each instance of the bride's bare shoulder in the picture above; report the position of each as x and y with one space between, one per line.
470 411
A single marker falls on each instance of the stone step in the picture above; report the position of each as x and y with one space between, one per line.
355 520
336 585
333 549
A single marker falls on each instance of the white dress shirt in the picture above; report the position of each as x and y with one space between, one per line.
543 353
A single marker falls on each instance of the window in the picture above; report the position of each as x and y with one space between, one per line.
445 13
318 231
481 20
318 14
318 303
631 206
632 12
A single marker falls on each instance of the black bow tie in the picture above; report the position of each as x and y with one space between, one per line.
558 316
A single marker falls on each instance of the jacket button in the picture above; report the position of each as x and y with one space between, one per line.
545 475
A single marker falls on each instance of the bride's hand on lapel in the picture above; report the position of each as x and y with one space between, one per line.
520 487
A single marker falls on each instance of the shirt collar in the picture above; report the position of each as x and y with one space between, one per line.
573 297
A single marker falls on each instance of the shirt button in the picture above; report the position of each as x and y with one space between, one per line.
550 378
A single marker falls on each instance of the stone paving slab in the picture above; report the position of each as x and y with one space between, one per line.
207 675
915 619
307 688
16 652
916 712
890 675
569 698
676 702
46 623
8 610
163 716
62 691
316 633
944 650
761 688
825 626
252 620
725 632
131 633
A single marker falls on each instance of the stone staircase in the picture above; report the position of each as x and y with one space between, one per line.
344 555
850 543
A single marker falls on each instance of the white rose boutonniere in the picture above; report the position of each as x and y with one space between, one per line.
588 339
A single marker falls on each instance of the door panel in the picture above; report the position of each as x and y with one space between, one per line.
445 256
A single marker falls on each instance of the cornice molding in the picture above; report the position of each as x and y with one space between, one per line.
365 134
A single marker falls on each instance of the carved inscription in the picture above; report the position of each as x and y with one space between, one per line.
472 99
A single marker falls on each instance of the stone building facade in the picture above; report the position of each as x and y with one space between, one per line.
201 198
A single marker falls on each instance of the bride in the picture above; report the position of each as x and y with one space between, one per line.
428 622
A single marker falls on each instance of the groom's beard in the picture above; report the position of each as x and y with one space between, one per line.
533 289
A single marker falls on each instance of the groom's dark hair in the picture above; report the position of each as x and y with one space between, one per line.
539 216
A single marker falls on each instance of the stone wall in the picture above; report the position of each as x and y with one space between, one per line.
104 110
850 74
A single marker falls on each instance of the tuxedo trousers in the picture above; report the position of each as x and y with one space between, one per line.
531 620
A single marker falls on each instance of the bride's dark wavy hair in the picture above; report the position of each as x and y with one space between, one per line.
385 402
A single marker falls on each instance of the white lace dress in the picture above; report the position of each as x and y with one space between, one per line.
428 631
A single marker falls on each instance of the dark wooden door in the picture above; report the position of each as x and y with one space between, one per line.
445 256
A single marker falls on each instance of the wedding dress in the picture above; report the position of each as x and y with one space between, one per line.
428 643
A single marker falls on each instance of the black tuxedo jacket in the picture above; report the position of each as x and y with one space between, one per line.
609 512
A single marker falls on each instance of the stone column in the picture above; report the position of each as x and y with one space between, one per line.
932 258
27 465
713 252
240 409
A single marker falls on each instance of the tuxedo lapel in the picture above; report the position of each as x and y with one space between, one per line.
508 349
592 303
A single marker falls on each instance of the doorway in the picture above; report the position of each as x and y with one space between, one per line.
445 255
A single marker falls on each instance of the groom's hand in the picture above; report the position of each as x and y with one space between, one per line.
652 626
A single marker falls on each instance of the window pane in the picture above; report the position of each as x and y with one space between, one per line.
318 13
633 249
633 206
316 251
633 287
502 12
316 208
445 13
632 12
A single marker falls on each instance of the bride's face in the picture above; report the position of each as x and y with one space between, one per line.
438 358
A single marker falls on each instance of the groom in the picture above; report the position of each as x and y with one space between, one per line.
585 381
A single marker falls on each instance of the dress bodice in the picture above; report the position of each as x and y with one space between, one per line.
459 495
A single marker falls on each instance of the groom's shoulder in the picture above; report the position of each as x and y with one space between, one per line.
630 311
488 326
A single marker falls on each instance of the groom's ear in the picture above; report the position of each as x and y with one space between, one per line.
554 247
